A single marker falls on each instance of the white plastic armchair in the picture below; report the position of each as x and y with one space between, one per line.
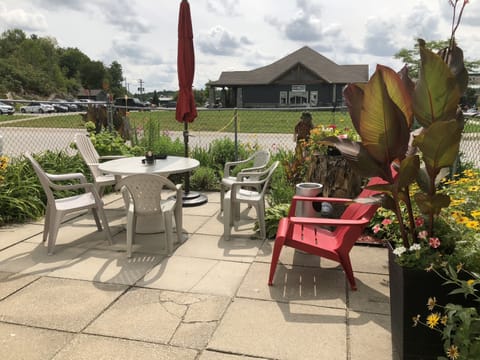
260 161
241 193
143 197
57 208
92 159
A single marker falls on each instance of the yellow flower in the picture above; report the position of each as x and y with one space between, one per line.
433 319
470 282
475 213
472 224
473 188
3 162
463 220
431 303
453 352
444 320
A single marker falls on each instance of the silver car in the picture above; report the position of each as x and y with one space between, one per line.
6 109
37 107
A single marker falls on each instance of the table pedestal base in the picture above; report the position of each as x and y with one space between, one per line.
192 198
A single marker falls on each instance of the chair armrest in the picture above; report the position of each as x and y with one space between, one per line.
328 221
69 176
313 199
255 168
241 184
230 164
112 157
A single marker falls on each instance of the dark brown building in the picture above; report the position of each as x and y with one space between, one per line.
303 78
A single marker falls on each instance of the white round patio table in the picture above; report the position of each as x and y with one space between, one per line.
134 165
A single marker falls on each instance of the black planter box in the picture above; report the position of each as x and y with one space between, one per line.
409 293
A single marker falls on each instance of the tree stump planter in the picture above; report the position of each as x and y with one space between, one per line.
336 176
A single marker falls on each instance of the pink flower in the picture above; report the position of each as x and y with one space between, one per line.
434 242
386 222
419 221
423 234
376 228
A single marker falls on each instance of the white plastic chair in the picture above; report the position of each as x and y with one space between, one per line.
260 161
90 156
241 193
143 197
57 208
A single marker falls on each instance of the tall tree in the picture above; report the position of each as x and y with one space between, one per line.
92 75
411 57
115 78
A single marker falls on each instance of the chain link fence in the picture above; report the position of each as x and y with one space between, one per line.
270 129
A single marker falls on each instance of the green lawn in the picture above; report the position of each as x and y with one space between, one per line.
248 121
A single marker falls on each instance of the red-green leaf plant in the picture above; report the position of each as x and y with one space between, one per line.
383 111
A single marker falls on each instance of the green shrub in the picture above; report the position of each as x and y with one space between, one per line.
204 178
282 188
110 143
20 193
21 196
272 217
202 155
223 150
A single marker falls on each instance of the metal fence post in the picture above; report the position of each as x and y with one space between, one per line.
235 131
110 115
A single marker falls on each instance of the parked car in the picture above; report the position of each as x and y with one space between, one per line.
131 104
6 109
60 108
37 107
70 105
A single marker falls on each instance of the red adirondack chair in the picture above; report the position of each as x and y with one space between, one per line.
311 236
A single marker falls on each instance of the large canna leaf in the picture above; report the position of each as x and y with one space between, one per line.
454 59
437 93
385 116
439 144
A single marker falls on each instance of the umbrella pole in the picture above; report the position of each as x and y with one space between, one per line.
185 141
190 198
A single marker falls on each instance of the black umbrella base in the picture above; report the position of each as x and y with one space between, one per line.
193 198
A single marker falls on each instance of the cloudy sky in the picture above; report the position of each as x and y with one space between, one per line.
238 34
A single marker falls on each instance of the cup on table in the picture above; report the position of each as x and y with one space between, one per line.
149 158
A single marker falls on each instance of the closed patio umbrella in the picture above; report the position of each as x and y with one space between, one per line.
186 110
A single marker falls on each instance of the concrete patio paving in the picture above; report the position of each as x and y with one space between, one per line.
208 301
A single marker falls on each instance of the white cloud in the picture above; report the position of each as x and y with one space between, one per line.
237 35
21 19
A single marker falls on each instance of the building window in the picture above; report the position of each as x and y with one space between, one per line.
298 98
313 98
283 98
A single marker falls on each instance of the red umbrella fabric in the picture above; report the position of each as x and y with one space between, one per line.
186 110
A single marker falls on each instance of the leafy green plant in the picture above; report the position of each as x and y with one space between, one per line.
20 192
458 325
21 195
223 150
383 112
273 215
204 178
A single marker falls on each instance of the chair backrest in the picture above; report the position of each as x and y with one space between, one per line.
357 211
146 192
261 158
42 176
268 177
88 152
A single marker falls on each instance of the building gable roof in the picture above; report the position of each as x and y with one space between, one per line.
324 68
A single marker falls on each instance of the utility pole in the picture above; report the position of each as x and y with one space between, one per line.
141 89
